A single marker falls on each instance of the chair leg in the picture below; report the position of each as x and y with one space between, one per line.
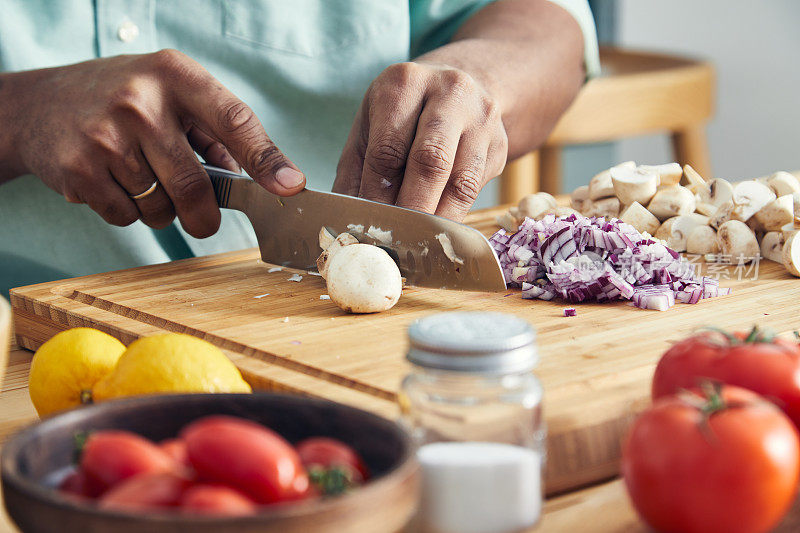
519 178
550 169
690 147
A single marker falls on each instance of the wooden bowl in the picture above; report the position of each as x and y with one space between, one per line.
5 336
34 460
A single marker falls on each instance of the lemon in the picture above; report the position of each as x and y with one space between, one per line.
170 363
65 369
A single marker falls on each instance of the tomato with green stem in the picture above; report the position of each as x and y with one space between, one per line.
722 460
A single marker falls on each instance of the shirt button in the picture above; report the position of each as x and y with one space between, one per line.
127 31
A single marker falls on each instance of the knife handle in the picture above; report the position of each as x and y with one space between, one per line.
226 184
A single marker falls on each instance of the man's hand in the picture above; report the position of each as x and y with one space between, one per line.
101 131
427 137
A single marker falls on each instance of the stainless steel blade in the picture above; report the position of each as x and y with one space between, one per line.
287 229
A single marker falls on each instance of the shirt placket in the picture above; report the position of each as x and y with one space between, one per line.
125 27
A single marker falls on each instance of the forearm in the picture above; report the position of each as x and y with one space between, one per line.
528 54
10 164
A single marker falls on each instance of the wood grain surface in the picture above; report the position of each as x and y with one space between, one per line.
595 367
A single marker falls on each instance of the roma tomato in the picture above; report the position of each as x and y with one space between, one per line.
756 361
78 484
246 456
110 457
327 453
148 491
217 500
725 461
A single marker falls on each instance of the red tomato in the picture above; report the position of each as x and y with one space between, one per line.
326 453
246 456
770 367
726 463
176 449
78 484
149 491
113 456
217 500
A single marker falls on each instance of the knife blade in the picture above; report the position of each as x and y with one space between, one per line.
287 229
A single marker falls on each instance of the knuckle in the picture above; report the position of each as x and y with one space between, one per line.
466 185
168 59
432 159
188 184
490 109
388 155
237 117
118 214
401 74
268 159
457 81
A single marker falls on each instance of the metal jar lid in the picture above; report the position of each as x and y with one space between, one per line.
489 343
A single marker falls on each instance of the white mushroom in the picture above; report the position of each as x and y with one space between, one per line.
600 186
736 240
579 197
675 231
777 213
558 212
604 207
757 227
791 254
748 199
694 181
533 205
672 201
704 209
790 229
640 218
716 192
722 214
772 246
362 278
634 184
783 183
668 173
702 240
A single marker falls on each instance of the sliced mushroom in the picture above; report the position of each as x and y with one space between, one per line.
533 205
634 184
783 183
705 209
579 197
668 173
600 186
772 246
694 181
605 207
736 240
672 201
640 218
777 213
560 211
508 222
791 254
675 231
716 192
342 240
326 238
702 240
749 197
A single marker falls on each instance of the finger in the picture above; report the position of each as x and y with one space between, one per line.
393 123
184 180
351 162
466 180
430 160
233 123
105 197
134 176
211 150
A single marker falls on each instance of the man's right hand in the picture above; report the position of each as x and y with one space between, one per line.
102 131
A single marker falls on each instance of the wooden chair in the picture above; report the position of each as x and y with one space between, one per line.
637 93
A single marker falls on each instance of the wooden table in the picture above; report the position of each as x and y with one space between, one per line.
600 509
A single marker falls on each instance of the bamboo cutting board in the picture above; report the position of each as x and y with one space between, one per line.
596 367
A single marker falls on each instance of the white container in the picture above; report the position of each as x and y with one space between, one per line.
475 408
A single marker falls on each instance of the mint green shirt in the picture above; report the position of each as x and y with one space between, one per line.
301 65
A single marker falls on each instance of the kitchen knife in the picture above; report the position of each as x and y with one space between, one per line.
287 229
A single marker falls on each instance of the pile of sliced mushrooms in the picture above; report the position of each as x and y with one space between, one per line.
714 218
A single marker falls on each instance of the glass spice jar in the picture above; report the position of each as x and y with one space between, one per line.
474 407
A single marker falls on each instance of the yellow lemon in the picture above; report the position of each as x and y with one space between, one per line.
170 363
65 369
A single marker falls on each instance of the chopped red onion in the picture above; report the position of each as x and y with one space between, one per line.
570 311
583 259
